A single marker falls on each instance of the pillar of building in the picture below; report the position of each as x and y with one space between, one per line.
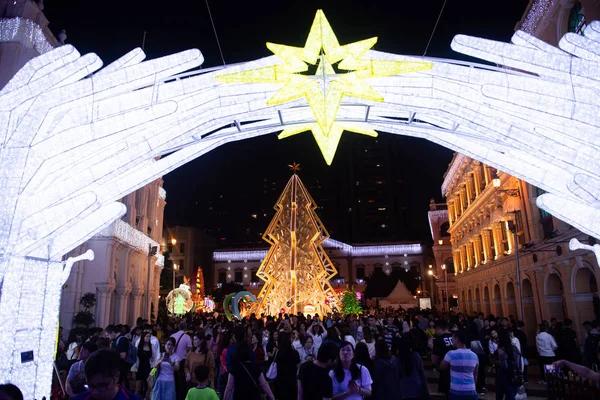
477 176
477 249
456 260
539 296
469 251
137 308
104 292
497 239
469 190
451 213
487 245
509 237
463 259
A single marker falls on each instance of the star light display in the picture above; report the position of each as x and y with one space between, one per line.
77 138
325 90
296 269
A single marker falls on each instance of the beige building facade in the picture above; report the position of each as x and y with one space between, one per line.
493 215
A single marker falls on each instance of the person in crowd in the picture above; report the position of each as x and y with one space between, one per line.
430 331
333 335
317 332
246 380
463 365
567 343
272 346
442 343
102 371
200 355
362 356
546 345
412 383
121 344
226 342
287 359
145 360
509 365
369 341
307 351
314 382
592 341
168 366
520 334
384 372
258 349
183 344
9 391
76 381
74 343
350 380
201 391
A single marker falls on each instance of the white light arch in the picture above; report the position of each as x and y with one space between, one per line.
75 139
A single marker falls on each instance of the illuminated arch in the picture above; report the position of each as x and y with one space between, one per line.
78 138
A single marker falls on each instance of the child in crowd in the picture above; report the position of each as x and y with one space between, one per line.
201 391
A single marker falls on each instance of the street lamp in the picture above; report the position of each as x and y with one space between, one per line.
446 285
510 192
173 241
175 268
152 250
441 242
430 273
512 226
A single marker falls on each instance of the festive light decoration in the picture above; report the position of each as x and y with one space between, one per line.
179 301
325 90
26 32
350 303
78 139
296 269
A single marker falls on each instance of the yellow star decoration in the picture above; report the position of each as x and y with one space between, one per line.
325 90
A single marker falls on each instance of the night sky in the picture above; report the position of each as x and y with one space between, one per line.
233 176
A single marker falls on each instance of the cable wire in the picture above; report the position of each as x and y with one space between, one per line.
215 31
434 28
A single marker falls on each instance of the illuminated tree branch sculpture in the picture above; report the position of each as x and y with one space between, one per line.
296 269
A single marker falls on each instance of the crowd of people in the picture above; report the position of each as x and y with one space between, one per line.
378 355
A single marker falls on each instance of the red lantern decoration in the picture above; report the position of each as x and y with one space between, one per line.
282 311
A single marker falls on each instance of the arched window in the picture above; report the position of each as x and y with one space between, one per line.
360 271
378 267
577 22
444 229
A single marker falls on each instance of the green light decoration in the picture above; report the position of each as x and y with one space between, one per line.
350 303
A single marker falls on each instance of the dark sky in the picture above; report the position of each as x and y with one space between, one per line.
111 28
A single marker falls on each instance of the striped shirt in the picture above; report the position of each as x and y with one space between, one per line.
462 364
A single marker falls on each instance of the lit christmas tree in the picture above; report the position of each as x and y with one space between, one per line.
350 303
179 307
296 269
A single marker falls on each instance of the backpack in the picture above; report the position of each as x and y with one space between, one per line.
131 357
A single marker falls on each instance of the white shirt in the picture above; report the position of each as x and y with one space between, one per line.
155 345
184 344
364 381
515 342
167 371
545 344
305 353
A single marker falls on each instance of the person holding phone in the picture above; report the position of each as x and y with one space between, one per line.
350 380
582 371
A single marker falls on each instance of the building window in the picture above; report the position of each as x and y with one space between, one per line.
222 277
253 276
504 237
444 229
360 272
239 276
182 247
378 268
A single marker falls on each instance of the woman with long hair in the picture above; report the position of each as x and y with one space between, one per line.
287 359
333 335
272 346
508 363
168 365
413 382
385 372
144 355
200 355
362 356
369 341
350 380
246 378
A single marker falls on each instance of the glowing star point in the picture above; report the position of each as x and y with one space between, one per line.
325 90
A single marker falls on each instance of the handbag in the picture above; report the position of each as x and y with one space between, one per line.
272 371
263 395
